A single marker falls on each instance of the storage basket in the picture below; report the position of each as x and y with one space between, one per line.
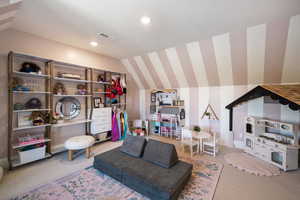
32 154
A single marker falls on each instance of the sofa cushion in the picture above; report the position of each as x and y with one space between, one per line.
159 153
154 181
134 145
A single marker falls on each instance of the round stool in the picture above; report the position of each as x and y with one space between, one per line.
78 143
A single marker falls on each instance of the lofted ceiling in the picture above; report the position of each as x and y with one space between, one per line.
77 22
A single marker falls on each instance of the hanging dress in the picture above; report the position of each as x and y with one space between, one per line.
115 129
125 124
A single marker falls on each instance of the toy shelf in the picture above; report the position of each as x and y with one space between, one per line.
31 143
71 80
70 123
16 73
47 77
31 92
17 163
30 127
32 110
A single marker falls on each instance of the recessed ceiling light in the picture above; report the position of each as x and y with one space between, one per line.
94 44
145 20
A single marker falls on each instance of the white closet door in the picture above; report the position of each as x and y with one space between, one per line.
101 120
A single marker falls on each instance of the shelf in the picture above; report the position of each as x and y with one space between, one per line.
16 163
15 73
30 92
31 110
99 141
30 127
71 80
101 92
70 123
33 143
102 82
71 95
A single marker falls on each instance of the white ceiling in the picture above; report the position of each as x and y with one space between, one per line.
76 22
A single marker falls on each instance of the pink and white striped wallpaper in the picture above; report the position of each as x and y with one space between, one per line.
8 11
219 70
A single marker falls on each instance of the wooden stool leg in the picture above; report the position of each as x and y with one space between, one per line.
88 152
70 154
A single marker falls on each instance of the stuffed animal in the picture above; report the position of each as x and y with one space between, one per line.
29 67
59 89
81 89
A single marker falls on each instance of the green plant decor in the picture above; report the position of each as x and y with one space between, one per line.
197 128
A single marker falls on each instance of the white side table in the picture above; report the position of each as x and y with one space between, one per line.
200 136
79 143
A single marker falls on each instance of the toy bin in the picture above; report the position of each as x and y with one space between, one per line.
32 154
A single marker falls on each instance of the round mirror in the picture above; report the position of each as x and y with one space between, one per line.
68 107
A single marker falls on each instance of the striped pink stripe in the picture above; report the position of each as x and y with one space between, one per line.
133 98
139 73
209 59
186 65
9 8
194 106
276 39
169 71
238 42
215 102
152 71
7 20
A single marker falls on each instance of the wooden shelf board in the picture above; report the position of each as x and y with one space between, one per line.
31 92
16 73
101 92
71 95
31 110
33 143
30 127
71 123
16 163
71 80
102 82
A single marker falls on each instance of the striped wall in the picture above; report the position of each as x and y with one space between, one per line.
219 70
266 53
8 10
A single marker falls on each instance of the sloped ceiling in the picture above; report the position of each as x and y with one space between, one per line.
8 10
265 53
77 22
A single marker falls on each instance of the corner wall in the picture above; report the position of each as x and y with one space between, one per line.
12 40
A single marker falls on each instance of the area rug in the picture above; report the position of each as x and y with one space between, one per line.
250 164
91 184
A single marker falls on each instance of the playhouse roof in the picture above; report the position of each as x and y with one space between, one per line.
285 94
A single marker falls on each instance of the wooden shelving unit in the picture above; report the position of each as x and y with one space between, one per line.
43 80
49 77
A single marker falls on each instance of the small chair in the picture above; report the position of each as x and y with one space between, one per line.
187 140
210 145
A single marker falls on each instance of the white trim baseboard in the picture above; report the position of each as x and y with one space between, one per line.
238 144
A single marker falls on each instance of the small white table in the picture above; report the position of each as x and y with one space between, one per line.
200 136
78 143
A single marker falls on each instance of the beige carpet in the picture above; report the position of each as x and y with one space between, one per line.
250 164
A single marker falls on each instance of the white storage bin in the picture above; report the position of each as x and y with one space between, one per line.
32 155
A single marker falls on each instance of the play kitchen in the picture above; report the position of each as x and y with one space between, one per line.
272 141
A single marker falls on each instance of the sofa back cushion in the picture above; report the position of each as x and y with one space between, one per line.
159 153
134 145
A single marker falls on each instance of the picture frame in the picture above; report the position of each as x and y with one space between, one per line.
97 102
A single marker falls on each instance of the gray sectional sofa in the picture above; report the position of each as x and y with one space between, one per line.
149 167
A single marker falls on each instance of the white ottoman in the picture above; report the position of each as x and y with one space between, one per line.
78 143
